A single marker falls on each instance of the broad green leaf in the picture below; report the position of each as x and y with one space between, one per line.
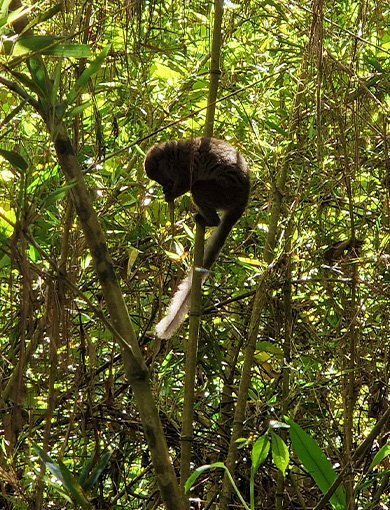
270 347
15 159
280 454
72 486
382 454
49 45
133 254
82 81
259 452
31 43
315 462
78 109
69 50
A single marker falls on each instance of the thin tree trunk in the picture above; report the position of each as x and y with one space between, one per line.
135 368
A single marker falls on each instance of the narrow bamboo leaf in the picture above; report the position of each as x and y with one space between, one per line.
196 474
39 75
69 51
26 81
72 486
316 463
15 159
280 454
55 469
97 471
56 82
275 126
49 45
216 465
27 44
82 81
62 473
85 470
259 453
381 455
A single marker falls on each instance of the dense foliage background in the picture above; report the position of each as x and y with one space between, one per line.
304 96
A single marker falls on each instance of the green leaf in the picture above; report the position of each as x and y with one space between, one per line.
39 76
85 470
49 45
382 454
15 159
216 465
259 452
56 83
270 347
280 454
315 462
27 82
4 4
275 126
5 261
196 474
98 470
82 81
62 473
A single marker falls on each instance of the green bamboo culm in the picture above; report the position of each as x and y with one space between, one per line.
191 356
196 294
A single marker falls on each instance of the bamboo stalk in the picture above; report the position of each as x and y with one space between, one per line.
190 357
196 294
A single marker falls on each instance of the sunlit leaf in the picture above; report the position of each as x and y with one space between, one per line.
315 462
259 452
87 74
280 454
49 45
380 456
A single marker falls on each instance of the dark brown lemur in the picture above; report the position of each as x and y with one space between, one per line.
218 178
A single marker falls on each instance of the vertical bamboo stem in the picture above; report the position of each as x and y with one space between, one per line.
196 294
191 355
